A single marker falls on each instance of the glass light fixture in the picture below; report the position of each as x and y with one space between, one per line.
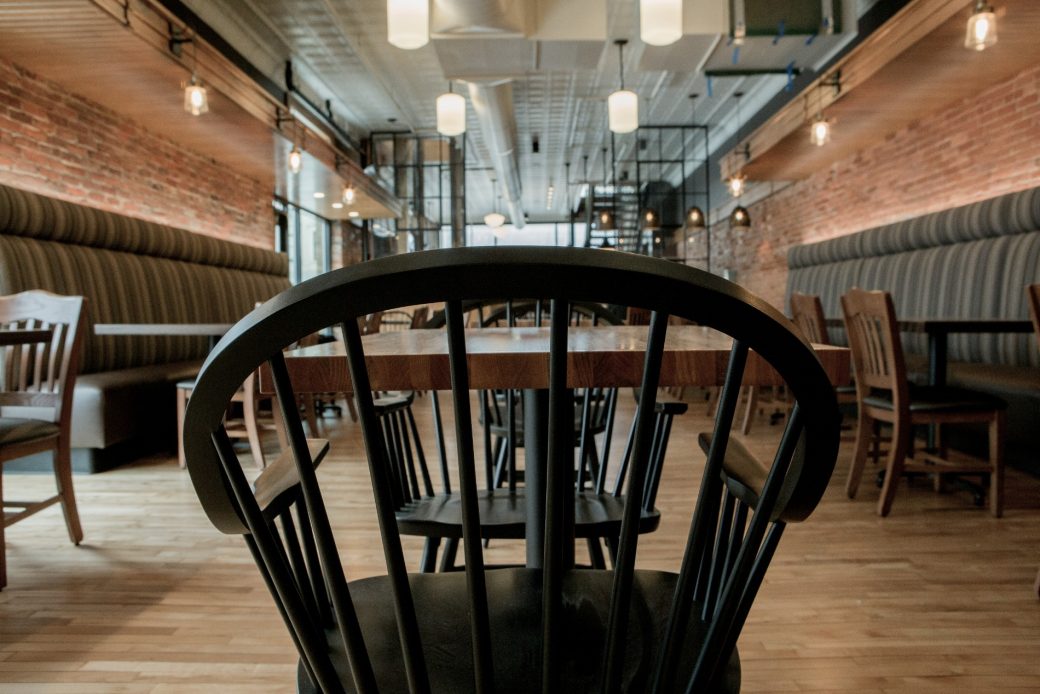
820 131
605 221
735 183
295 160
982 27
451 114
195 101
349 195
660 21
408 23
739 217
494 218
695 218
622 105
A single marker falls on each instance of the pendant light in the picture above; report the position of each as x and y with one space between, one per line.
494 219
451 113
605 218
660 21
295 160
695 218
622 105
408 23
735 183
982 27
739 217
650 219
820 131
195 100
349 195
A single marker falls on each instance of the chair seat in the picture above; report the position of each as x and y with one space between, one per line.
514 598
942 399
503 515
18 430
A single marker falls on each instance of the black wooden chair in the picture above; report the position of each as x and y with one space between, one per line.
546 626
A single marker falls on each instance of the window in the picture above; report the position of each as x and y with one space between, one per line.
306 238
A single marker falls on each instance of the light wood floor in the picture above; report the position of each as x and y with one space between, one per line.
936 597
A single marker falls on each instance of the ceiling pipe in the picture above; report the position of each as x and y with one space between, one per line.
493 106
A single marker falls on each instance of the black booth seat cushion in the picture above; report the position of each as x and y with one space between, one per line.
941 399
17 430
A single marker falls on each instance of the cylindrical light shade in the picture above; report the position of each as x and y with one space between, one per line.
623 111
605 220
660 21
820 132
982 27
451 114
195 101
408 23
739 217
349 195
295 160
694 218
494 219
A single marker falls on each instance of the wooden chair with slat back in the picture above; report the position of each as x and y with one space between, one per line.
807 314
546 626
1033 294
36 382
885 396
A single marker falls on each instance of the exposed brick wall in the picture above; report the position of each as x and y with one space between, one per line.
59 144
975 149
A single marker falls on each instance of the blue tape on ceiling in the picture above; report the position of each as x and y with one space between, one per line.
736 54
779 32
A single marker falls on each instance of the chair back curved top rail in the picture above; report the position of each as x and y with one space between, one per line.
546 626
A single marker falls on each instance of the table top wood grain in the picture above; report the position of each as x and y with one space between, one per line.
954 325
518 358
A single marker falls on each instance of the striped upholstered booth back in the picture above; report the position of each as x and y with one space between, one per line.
131 271
967 262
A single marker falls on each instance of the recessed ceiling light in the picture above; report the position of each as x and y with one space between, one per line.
353 213
319 195
337 205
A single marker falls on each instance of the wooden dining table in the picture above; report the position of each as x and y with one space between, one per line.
938 331
213 331
601 356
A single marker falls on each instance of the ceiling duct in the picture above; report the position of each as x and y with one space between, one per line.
477 17
493 106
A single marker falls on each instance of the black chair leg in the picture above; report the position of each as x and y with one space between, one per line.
451 548
428 561
595 553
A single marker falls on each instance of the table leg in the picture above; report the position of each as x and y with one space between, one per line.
937 347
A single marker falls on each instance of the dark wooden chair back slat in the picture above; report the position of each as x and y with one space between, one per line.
625 629
870 320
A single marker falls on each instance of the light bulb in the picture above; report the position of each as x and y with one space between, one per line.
735 183
295 160
349 195
195 101
820 132
982 27
695 218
